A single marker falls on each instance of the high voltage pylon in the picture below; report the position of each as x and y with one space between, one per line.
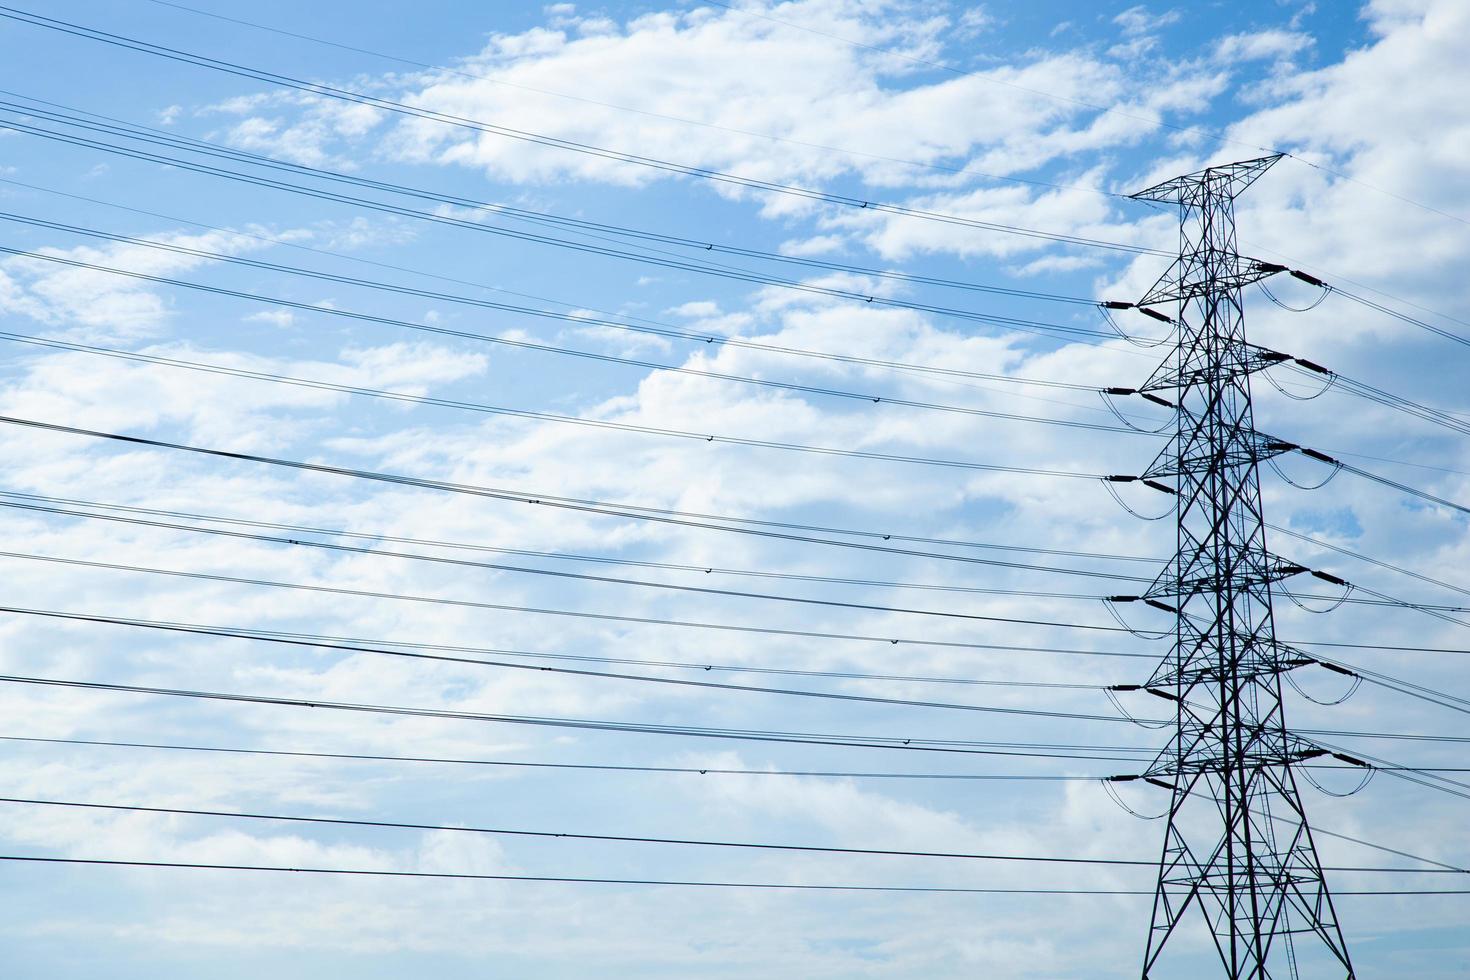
1237 846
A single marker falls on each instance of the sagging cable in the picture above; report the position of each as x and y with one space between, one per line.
1353 685
1110 604
1117 703
1107 785
1108 484
1337 467
1106 393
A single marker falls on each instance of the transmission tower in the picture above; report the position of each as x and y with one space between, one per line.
1237 846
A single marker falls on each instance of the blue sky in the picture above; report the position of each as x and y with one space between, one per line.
1031 115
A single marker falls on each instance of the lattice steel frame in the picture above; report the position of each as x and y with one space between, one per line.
1238 845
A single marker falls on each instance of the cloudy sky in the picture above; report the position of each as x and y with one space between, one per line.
825 264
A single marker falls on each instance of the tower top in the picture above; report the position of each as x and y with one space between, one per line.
1225 180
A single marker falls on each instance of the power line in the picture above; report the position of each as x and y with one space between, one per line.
593 559
703 666
961 746
587 576
515 343
1447 420
648 256
519 764
1401 487
645 769
1366 558
530 570
949 746
933 373
580 318
482 408
255 74
547 611
631 839
1406 318
612 838
575 672
738 525
465 876
595 230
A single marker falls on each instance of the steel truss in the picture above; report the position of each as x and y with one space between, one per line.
1237 846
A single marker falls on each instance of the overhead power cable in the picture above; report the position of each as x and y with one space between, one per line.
1106 753
706 666
523 764
631 839
745 628
464 876
1049 750
401 109
607 767
382 537
1404 317
576 317
455 404
1319 832
1402 487
1448 420
531 570
96 122
1367 558
577 672
936 374
612 838
648 256
518 344
1375 597
739 525
1429 779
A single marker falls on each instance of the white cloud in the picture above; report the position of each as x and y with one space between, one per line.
277 318
1138 20
1261 45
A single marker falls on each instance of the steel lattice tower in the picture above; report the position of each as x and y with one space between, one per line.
1237 845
